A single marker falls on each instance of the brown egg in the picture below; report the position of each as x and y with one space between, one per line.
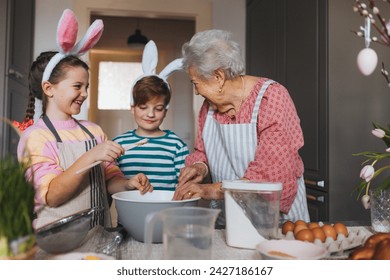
288 226
319 234
341 228
300 222
329 231
313 225
298 228
305 235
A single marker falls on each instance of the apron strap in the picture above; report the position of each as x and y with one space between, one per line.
258 100
85 130
50 126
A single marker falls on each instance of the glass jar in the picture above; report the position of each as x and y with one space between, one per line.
380 210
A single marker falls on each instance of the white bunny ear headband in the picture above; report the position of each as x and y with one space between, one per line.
149 63
66 40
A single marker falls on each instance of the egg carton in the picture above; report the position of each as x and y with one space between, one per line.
356 237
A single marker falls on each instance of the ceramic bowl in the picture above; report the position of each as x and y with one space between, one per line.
133 207
290 250
65 234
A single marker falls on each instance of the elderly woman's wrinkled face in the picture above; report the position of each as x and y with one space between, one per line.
208 88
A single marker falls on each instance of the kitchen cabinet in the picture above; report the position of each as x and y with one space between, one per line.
17 28
308 46
289 48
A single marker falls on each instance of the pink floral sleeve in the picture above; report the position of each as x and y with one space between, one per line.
279 139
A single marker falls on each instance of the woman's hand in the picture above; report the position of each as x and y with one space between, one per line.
204 191
194 173
140 182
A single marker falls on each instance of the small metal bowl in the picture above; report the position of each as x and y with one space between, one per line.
65 234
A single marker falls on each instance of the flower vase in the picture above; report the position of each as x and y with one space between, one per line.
380 210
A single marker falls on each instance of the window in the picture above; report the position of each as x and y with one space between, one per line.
115 81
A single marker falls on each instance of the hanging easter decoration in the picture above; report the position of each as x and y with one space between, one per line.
367 58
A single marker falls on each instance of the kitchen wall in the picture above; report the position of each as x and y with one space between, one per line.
356 102
223 14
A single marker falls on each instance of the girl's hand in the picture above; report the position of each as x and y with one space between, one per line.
140 182
107 151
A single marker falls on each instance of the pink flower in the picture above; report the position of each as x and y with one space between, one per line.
367 173
380 133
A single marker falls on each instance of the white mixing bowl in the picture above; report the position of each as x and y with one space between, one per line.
133 207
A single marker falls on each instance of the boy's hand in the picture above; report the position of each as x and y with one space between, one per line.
140 182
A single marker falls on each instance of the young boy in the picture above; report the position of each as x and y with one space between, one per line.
162 157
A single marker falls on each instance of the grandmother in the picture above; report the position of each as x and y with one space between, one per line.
248 128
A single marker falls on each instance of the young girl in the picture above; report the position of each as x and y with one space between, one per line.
162 157
58 145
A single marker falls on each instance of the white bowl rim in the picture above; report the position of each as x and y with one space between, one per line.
291 247
116 196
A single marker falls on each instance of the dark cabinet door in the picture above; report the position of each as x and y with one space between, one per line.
17 105
287 42
20 30
317 203
21 27
263 41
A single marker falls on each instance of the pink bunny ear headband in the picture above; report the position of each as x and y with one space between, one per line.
66 38
149 63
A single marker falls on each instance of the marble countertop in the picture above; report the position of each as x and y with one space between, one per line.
130 249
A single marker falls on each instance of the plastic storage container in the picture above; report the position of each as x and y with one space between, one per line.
252 212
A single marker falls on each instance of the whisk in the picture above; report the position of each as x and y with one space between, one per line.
112 247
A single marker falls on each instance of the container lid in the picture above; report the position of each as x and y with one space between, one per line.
251 185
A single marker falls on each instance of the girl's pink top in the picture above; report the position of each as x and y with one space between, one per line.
42 157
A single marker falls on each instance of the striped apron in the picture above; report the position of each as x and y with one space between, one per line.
230 148
93 193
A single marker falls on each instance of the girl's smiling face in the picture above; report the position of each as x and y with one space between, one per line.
66 98
149 116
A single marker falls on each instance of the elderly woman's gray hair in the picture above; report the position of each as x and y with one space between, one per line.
211 50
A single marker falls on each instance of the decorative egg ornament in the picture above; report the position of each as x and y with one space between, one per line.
367 60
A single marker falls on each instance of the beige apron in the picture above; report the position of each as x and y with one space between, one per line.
230 148
93 193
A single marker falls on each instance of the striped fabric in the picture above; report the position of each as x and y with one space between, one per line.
298 210
230 148
160 159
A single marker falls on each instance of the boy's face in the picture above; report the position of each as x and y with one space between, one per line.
150 115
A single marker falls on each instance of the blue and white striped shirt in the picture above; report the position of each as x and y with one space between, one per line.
160 159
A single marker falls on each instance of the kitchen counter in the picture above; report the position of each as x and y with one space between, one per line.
131 249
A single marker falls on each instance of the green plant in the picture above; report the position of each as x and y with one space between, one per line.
16 208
